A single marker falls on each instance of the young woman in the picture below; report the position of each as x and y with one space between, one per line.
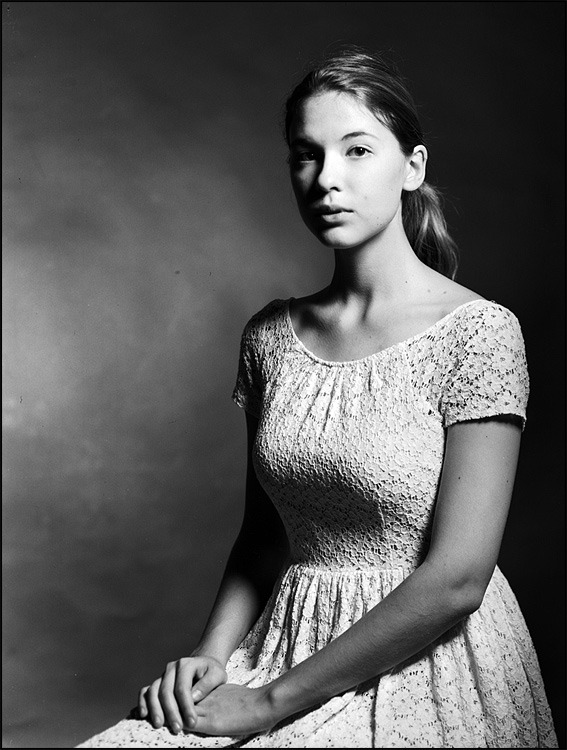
362 605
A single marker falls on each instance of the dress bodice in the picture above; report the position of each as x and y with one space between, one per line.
351 452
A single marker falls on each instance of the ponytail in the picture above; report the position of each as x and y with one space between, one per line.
426 229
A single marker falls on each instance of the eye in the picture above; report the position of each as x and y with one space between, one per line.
304 156
299 159
358 151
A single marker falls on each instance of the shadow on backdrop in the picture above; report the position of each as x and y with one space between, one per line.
147 215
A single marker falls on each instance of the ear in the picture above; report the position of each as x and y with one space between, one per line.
415 168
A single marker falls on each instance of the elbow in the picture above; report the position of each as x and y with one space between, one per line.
459 593
465 596
468 599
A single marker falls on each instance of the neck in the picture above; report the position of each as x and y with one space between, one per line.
381 271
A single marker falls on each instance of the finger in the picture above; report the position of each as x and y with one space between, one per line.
198 693
142 705
154 706
182 690
168 700
210 679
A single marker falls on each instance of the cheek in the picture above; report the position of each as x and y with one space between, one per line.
300 184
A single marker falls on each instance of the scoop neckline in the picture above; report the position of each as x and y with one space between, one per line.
374 355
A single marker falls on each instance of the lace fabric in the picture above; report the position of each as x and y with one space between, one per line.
351 453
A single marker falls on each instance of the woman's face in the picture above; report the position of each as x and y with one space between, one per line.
347 170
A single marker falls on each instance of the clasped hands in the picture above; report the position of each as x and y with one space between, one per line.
193 695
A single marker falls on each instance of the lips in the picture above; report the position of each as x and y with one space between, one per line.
332 218
329 210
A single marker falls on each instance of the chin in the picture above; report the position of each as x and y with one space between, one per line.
336 237
336 241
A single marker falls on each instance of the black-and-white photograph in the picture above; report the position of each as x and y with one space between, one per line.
283 374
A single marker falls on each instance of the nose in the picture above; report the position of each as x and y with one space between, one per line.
329 174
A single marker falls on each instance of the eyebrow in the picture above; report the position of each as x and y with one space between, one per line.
358 133
355 134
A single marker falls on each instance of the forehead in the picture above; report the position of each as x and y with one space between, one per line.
332 114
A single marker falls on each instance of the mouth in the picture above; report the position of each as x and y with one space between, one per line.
329 210
331 214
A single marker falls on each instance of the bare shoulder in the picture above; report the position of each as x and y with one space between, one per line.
446 295
311 310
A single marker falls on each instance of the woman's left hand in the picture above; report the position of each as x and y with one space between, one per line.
234 710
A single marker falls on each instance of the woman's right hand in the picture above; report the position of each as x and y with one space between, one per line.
170 700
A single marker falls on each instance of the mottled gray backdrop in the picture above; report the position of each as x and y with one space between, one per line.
147 215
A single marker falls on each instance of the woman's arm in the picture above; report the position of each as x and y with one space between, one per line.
254 564
472 506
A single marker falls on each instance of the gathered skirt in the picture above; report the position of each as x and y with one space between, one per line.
479 685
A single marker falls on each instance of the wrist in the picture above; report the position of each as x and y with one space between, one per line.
283 699
274 704
210 652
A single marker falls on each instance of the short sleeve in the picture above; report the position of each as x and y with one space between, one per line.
247 392
489 374
257 351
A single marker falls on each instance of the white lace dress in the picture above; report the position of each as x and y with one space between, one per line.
351 453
